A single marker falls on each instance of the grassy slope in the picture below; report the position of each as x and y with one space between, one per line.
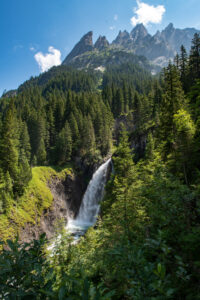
36 198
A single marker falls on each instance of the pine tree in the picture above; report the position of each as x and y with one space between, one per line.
51 122
34 161
138 109
183 154
41 153
194 60
59 114
106 139
183 66
173 100
25 141
88 137
120 197
123 158
74 132
7 193
149 150
10 143
24 173
63 148
157 98
177 61
126 97
131 98
119 103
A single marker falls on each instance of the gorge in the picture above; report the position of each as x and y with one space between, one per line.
89 209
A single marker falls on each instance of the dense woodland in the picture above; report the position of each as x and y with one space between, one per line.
147 239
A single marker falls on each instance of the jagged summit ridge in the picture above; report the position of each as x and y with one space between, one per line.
159 48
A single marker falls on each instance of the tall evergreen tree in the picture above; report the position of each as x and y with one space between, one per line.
9 148
194 59
74 132
119 102
63 148
173 100
88 137
184 150
24 173
183 66
25 141
41 153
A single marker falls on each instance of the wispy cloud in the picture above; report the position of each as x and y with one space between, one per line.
115 17
18 47
32 49
145 13
48 60
112 27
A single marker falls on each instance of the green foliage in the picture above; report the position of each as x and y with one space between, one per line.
22 273
183 153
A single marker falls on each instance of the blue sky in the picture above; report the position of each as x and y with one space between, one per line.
32 26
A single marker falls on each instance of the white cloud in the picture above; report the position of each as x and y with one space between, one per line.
112 27
32 49
146 14
115 17
48 60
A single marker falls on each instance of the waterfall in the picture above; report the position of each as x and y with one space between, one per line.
89 208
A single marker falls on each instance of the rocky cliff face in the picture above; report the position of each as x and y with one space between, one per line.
101 43
177 37
159 48
84 45
122 39
138 33
67 194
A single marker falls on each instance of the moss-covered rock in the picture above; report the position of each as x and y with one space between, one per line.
36 200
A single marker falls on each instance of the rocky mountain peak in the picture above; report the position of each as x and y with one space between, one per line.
101 43
84 45
168 32
87 38
122 38
138 32
170 27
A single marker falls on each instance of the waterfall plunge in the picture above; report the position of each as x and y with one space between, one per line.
89 208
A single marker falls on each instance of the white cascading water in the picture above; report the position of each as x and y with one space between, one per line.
89 208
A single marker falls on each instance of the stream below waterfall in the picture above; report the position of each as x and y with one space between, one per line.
90 204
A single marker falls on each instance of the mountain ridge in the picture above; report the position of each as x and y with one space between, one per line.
158 48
